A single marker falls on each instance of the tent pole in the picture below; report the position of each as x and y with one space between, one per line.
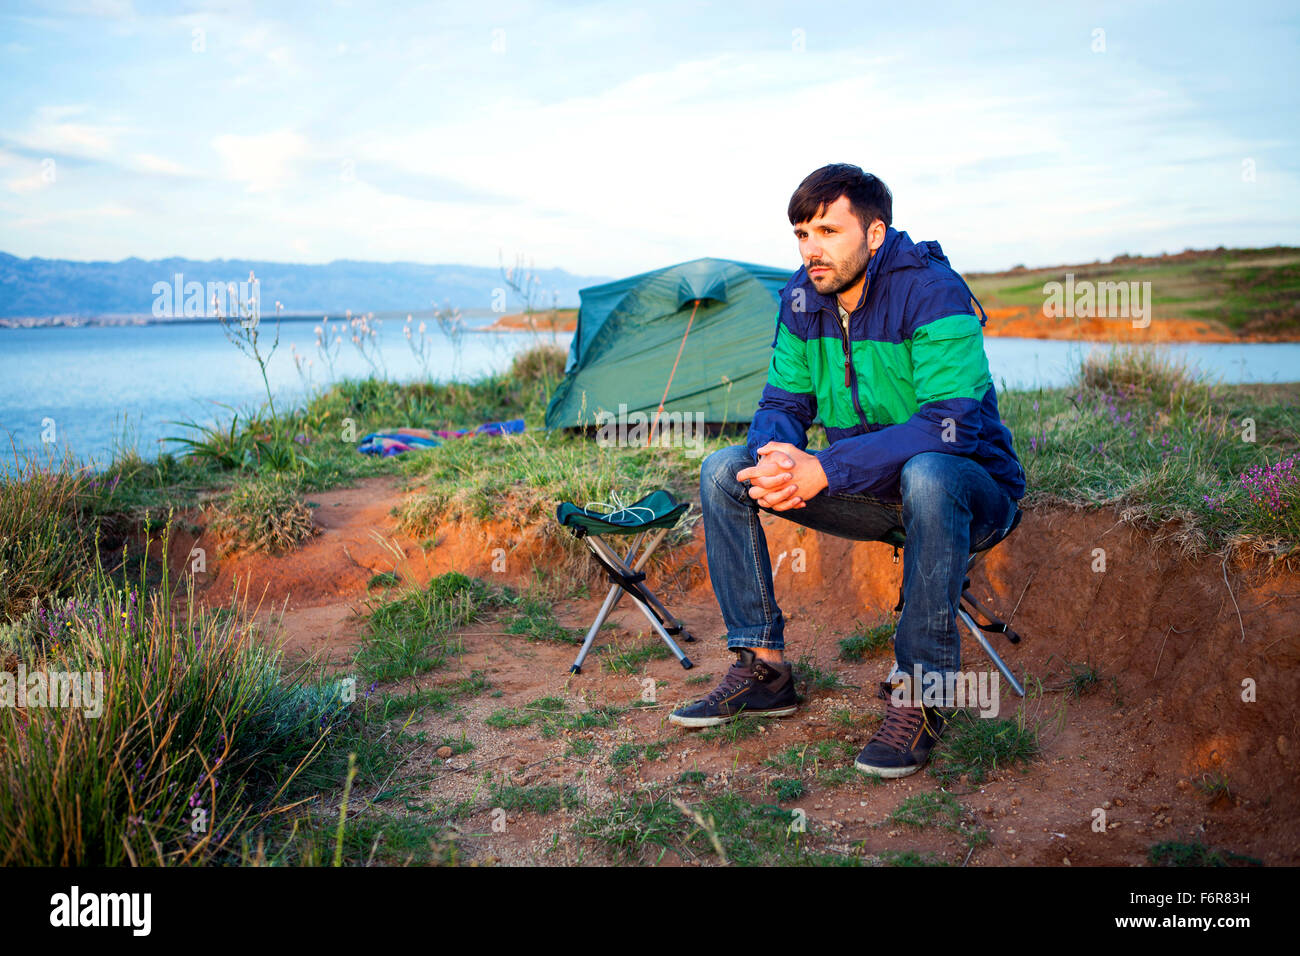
650 438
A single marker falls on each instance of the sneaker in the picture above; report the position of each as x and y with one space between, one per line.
752 686
901 744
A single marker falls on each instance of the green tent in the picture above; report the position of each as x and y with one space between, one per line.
720 315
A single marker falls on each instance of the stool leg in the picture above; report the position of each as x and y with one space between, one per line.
663 634
639 589
611 600
988 649
615 592
660 619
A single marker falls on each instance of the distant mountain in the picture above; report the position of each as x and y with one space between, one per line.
60 287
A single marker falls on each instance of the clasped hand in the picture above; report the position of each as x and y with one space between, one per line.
784 478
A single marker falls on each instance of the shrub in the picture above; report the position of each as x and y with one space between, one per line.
264 514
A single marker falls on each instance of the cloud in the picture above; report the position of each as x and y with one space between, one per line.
149 163
52 134
108 210
262 162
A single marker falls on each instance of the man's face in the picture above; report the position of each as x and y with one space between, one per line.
833 247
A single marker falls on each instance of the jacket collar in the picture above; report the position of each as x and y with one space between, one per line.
898 251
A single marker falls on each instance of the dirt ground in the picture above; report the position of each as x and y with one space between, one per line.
1175 642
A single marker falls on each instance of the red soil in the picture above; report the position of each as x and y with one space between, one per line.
1172 639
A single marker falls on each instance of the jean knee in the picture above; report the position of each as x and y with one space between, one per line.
927 476
720 467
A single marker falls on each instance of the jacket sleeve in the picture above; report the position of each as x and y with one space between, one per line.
788 404
951 375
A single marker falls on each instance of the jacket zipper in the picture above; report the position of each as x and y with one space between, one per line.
850 374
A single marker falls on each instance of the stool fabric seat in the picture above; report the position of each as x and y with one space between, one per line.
664 511
654 516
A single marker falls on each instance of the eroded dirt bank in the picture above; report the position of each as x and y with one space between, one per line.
1164 744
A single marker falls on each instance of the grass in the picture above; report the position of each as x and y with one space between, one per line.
908 858
630 825
810 677
534 617
1083 679
45 532
1142 433
1214 786
641 827
829 762
421 838
733 731
631 660
861 644
800 756
941 810
200 735
538 799
410 633
580 748
974 746
786 789
1174 853
552 716
437 698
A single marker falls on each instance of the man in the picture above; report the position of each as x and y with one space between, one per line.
877 334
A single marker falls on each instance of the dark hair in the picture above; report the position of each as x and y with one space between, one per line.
868 195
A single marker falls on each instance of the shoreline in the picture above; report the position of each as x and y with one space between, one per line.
1015 322
1019 322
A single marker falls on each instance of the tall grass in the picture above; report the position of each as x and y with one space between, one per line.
199 734
1142 432
45 532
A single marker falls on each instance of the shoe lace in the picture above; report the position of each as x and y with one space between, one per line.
735 678
899 728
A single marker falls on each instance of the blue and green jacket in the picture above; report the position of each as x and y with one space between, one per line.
910 375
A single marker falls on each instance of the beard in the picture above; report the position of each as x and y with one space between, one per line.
842 274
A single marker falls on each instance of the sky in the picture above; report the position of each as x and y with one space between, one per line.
615 138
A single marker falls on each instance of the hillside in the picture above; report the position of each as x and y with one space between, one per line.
51 287
1208 295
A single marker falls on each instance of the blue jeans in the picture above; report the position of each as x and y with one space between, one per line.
950 507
